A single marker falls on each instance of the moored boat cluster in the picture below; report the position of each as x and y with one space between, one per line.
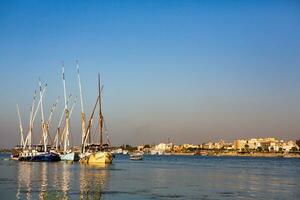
59 148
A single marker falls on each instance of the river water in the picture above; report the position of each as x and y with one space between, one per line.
155 177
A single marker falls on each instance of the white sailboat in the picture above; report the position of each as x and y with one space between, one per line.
42 151
67 154
70 155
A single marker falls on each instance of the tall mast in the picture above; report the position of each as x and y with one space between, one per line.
100 113
64 84
81 104
66 134
44 134
21 127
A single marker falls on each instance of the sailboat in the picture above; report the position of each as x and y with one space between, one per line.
67 154
96 153
42 151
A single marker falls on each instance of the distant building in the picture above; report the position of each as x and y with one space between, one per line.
252 144
269 144
177 148
162 148
288 146
266 144
208 145
228 146
194 146
213 145
239 144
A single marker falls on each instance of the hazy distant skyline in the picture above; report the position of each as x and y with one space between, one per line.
191 71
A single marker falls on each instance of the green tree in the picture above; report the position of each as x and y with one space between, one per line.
130 148
294 149
190 149
259 149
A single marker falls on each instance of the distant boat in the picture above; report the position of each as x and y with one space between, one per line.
201 153
16 151
117 151
153 152
71 156
136 156
125 152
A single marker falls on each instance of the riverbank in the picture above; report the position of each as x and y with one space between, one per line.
239 154
5 150
259 154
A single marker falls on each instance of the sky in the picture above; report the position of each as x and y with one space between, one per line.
179 71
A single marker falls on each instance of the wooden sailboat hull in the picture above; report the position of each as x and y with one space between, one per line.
98 158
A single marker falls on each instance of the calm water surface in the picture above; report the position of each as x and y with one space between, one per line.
156 177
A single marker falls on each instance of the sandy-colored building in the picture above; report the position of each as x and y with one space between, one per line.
239 144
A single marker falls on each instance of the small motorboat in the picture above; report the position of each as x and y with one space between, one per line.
70 156
136 156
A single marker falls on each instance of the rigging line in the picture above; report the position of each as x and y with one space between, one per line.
72 108
87 132
95 131
106 133
89 126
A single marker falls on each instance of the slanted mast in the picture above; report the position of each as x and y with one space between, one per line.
44 132
88 130
20 127
100 113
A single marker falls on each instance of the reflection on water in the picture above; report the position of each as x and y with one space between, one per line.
91 183
24 185
60 180
155 177
43 190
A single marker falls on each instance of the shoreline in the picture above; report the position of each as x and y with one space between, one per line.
236 154
224 154
262 155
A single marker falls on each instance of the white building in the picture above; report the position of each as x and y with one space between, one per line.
162 148
288 146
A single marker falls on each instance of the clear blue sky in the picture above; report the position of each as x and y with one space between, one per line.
191 71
